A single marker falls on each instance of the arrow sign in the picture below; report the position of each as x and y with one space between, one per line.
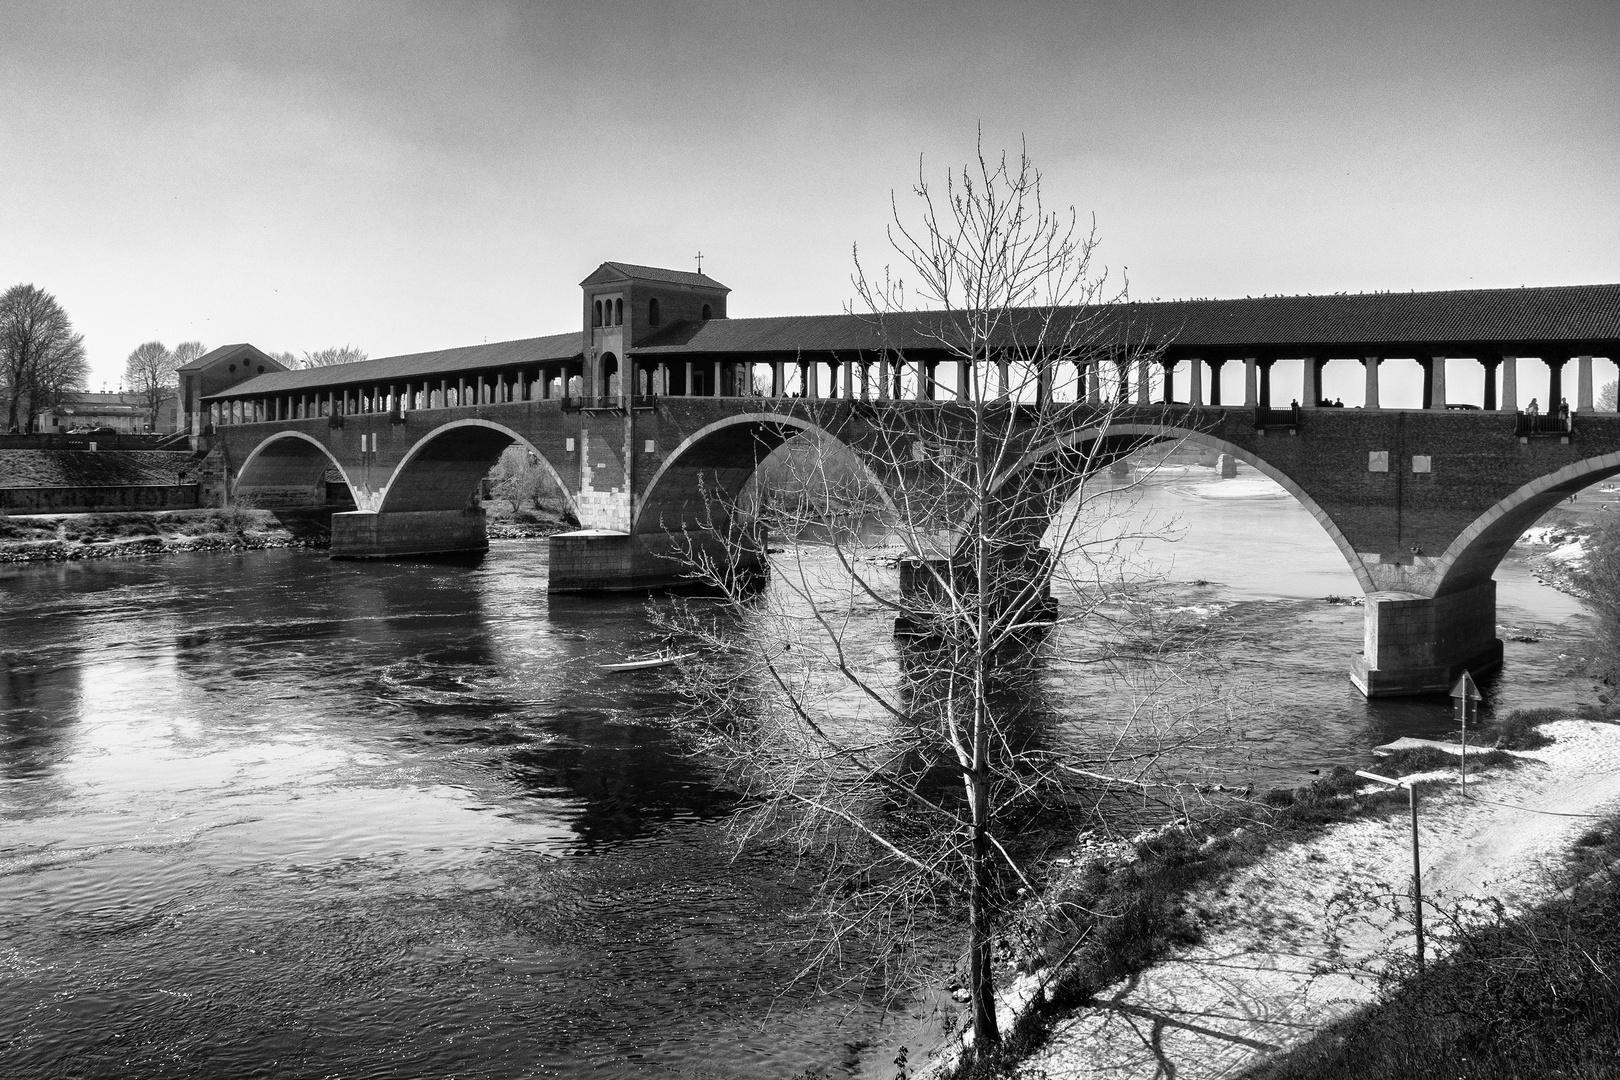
1465 688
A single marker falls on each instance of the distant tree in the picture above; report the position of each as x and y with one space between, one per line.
338 354
1606 396
41 358
150 372
186 352
288 359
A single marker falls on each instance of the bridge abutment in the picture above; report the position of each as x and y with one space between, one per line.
370 535
1421 645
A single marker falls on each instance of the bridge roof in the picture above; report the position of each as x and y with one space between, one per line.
617 271
1573 314
1552 317
497 354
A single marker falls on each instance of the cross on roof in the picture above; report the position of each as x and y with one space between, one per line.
700 262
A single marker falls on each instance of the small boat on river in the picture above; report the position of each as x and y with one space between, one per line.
646 662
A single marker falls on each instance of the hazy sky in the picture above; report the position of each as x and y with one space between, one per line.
408 176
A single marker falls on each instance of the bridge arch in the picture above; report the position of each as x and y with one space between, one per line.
442 469
725 453
1129 437
287 469
1473 556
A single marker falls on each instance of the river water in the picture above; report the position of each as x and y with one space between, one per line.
267 814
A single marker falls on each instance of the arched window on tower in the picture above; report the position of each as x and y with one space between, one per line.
618 313
706 312
596 317
652 312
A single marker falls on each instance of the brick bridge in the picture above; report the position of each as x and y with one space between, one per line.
662 397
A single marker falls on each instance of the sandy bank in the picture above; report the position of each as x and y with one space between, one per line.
1298 939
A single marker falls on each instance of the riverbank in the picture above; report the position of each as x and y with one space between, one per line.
71 537
1276 949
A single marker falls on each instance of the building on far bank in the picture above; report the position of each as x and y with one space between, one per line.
125 413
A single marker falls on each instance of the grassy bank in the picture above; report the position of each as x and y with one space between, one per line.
1104 919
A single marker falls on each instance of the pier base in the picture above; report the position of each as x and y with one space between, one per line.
1422 645
363 535
602 560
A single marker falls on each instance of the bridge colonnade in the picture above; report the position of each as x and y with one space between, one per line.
1498 368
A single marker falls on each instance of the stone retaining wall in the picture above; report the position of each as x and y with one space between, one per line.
95 500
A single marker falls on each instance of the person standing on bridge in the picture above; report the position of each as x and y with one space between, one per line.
1563 410
1532 409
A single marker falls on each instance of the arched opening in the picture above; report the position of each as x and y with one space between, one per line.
444 469
1473 557
618 313
596 313
1044 489
709 472
653 317
291 469
607 368
706 312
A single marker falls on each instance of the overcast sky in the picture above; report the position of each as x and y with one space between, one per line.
403 176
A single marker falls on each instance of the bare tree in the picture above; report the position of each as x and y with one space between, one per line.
1606 396
186 352
337 354
149 371
41 358
911 766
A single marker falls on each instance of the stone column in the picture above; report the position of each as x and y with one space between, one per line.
1437 383
1144 388
1195 382
1583 384
1169 368
1510 383
1371 364
1490 364
1215 381
1310 390
883 376
964 379
1555 383
849 379
1251 396
1265 382
1093 383
812 380
1003 378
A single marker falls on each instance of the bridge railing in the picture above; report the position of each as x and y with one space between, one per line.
1530 425
1289 417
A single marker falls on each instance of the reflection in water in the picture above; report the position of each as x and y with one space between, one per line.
271 812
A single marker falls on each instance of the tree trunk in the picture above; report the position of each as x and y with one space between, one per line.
981 974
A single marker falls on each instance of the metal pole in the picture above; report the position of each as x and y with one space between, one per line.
1465 704
1417 879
